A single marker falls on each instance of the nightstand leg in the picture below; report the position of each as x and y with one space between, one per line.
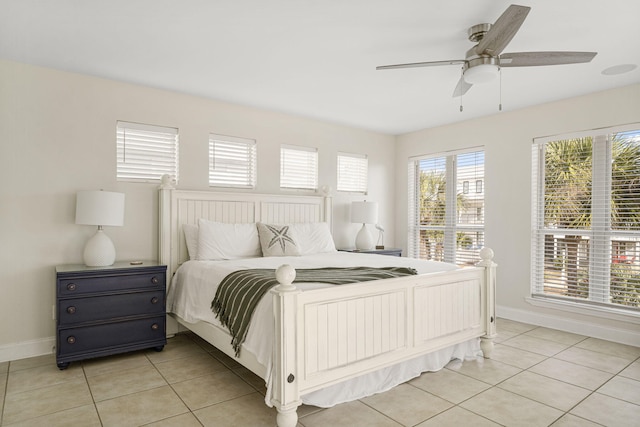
158 348
63 365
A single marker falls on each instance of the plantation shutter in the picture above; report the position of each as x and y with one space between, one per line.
352 172
298 167
145 152
586 218
232 161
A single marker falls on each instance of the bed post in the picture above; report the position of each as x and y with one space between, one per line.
285 395
486 341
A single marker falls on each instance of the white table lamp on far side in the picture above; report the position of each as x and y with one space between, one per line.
99 208
364 213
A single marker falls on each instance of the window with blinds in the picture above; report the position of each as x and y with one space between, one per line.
352 172
232 161
146 152
586 218
298 167
446 215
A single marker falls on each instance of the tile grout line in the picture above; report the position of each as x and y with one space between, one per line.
95 404
4 396
563 412
591 392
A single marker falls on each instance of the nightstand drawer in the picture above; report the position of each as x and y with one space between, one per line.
111 336
90 309
110 283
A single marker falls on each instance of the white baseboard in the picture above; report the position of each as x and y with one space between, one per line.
589 329
25 349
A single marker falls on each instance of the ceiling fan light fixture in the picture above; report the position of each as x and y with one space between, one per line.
481 73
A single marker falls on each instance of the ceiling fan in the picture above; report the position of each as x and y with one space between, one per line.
484 60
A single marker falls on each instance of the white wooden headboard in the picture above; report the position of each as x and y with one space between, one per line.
177 207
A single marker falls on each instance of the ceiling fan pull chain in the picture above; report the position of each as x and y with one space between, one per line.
500 75
461 77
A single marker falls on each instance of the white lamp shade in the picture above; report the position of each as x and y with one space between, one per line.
364 212
100 208
482 73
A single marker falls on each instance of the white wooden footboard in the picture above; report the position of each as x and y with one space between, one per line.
329 335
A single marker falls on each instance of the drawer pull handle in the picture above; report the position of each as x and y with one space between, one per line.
155 327
154 300
155 280
71 310
71 340
71 287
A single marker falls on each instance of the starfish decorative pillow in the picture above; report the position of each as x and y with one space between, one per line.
277 240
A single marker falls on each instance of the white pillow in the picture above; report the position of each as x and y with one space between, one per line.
313 237
277 240
218 240
191 238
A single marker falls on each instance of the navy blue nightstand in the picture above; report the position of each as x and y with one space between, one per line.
102 311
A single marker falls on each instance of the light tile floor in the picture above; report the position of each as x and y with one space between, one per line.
537 377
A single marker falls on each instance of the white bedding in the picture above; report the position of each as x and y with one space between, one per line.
194 286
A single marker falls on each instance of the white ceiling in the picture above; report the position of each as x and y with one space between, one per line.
317 58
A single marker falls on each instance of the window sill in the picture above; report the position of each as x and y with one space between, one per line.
627 316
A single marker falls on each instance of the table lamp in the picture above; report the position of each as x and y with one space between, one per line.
364 213
101 208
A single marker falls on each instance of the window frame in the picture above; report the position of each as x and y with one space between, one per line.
154 148
238 167
452 225
600 233
352 172
302 171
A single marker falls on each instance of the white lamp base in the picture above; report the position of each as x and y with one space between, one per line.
99 250
364 239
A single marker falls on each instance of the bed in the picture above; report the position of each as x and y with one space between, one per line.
405 324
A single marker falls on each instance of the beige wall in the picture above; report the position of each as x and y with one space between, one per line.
507 138
57 136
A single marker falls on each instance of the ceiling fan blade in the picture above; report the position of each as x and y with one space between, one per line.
501 33
421 64
461 88
531 59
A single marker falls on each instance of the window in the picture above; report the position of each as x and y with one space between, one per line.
232 161
298 167
586 218
146 152
446 221
352 172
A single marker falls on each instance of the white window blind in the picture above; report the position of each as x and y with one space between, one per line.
146 152
298 167
586 218
352 172
446 220
232 161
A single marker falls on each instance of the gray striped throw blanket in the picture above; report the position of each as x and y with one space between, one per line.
239 293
